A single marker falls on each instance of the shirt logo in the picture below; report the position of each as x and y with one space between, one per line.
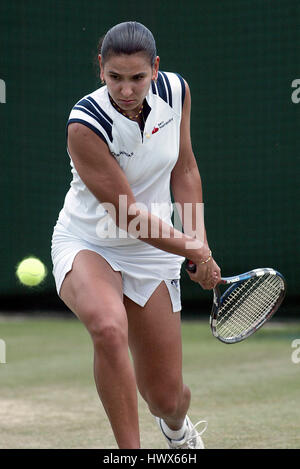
160 125
129 155
175 282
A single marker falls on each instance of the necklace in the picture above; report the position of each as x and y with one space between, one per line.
125 113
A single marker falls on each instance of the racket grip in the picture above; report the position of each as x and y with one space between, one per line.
190 266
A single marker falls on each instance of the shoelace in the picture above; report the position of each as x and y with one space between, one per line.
196 432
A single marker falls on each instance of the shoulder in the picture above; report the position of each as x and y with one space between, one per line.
170 87
93 111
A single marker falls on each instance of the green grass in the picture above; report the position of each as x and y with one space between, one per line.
248 392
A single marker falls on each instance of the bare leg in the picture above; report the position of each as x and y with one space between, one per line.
93 291
155 343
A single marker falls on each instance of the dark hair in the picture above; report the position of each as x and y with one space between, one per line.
127 38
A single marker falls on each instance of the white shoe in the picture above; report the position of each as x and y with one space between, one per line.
191 439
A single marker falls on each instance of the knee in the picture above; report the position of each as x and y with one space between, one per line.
108 330
108 336
164 401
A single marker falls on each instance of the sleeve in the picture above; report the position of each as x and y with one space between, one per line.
171 88
88 112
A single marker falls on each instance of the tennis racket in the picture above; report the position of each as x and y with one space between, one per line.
250 301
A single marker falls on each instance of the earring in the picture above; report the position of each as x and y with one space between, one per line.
102 82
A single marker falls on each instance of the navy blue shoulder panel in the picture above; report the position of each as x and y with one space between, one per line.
182 88
90 107
167 82
163 88
87 124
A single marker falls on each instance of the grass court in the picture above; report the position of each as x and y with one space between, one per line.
248 392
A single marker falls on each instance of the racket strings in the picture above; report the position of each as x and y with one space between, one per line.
248 305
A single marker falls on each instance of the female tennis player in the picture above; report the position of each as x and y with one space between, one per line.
116 255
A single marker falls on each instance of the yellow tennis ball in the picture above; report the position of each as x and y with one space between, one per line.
31 271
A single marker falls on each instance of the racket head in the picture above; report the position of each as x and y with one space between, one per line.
250 301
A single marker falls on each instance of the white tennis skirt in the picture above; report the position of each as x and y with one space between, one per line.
142 266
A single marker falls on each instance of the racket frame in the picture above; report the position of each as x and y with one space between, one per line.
235 281
218 300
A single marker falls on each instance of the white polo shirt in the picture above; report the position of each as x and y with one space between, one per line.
147 158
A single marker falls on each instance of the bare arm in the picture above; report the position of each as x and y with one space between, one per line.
187 190
185 179
105 179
